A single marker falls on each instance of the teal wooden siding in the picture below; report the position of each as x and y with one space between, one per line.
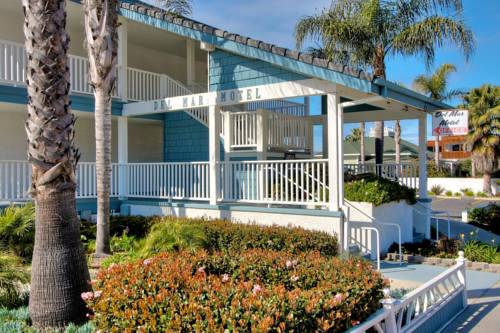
185 139
231 71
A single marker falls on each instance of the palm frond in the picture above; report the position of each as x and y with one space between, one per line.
178 7
423 37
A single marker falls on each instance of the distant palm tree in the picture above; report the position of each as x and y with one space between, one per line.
355 135
59 272
365 32
484 130
436 86
362 142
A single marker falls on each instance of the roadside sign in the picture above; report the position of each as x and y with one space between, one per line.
450 122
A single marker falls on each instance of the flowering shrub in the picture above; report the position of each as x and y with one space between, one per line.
255 290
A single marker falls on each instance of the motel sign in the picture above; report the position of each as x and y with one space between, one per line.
450 122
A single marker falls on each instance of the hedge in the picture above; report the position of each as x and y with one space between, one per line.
377 190
251 291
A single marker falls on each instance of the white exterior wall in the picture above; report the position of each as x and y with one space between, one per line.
145 137
364 214
331 225
456 184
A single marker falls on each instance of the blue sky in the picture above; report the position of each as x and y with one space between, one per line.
274 20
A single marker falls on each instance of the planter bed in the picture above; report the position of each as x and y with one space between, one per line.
445 262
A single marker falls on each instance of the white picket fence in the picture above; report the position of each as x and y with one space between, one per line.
426 309
289 132
404 173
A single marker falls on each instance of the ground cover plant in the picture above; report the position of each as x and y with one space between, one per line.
376 190
256 290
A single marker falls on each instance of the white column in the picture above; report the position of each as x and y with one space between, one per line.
214 125
422 156
122 155
190 62
340 153
122 60
333 162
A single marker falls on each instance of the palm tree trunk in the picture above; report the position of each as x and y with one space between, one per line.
59 272
487 183
379 71
379 142
436 151
103 170
362 142
397 142
101 24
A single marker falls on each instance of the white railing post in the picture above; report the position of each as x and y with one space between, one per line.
389 305
422 156
163 86
461 261
214 125
262 146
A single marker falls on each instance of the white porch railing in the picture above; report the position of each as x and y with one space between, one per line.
279 106
287 131
425 309
294 182
404 173
283 131
189 180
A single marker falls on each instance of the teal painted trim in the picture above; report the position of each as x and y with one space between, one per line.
19 95
235 207
410 97
91 205
252 52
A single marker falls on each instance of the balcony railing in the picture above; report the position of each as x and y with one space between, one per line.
141 85
404 173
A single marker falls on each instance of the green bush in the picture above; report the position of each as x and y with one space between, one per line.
173 235
251 291
487 217
13 280
458 194
377 190
449 193
436 172
477 251
481 194
17 230
437 189
468 192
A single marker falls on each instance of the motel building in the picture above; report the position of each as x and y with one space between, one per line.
209 123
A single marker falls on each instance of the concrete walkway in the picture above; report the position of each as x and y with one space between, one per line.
483 288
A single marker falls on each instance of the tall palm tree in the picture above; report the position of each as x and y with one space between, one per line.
365 32
59 272
484 133
101 23
362 142
436 86
355 135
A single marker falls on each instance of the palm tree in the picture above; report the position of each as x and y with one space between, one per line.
365 32
101 23
362 142
435 86
484 130
355 135
59 272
